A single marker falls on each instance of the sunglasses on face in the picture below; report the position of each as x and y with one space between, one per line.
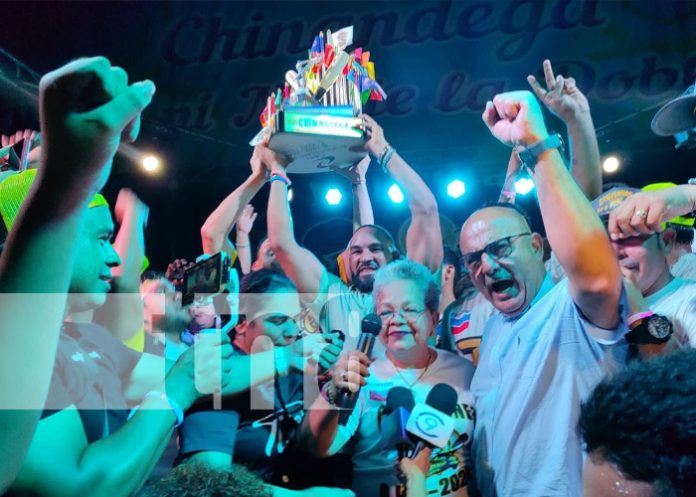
496 250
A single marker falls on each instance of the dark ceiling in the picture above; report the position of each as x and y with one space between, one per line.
439 62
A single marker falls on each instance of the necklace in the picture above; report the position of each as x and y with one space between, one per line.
420 376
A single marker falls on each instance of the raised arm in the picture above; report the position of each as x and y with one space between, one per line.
245 223
84 107
575 232
298 263
507 193
655 207
219 223
424 238
122 313
564 99
362 205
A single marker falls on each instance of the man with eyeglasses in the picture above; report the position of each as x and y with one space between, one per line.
547 345
643 253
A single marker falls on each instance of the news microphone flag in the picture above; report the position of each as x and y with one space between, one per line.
430 425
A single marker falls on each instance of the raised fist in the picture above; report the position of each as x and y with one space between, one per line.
515 118
85 108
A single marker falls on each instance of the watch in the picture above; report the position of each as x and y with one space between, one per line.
649 328
529 156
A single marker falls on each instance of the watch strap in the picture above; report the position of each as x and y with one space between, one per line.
529 156
640 333
635 319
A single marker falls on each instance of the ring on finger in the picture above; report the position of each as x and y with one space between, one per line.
640 214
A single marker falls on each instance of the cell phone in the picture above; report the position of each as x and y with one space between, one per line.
207 277
10 156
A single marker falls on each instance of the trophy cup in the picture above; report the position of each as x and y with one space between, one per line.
314 119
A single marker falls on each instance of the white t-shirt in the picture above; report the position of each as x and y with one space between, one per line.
677 301
685 267
450 467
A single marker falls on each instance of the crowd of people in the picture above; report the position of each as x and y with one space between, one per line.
556 365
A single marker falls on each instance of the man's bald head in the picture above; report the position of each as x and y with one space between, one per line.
503 256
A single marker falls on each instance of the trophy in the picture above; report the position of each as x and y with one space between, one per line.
314 119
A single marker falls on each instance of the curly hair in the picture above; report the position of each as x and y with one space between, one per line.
406 269
643 420
198 480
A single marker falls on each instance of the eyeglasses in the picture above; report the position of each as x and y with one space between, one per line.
495 250
408 314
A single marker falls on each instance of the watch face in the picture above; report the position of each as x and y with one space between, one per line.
659 327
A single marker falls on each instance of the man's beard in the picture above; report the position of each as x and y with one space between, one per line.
363 285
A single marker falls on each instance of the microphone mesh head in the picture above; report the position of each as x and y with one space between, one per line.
371 324
399 397
443 398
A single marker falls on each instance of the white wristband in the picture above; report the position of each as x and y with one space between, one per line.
173 406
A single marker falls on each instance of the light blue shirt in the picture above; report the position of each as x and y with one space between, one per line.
533 373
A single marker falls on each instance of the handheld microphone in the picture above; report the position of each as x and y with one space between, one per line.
431 423
370 327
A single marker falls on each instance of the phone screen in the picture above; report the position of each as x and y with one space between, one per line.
206 277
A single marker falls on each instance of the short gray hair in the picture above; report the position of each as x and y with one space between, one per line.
406 269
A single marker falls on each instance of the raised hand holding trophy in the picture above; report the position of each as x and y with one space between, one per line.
315 119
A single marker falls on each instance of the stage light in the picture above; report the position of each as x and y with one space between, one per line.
151 164
291 194
333 196
524 185
395 194
611 164
456 188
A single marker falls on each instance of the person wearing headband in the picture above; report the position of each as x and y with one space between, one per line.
41 216
340 305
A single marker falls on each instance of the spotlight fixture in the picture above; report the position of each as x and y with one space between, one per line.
151 164
456 188
395 194
524 185
611 164
333 196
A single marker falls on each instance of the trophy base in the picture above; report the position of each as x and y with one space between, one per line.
318 139
316 153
